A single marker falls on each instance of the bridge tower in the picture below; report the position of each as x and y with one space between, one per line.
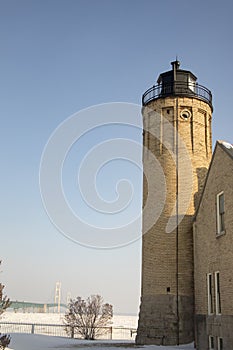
167 292
57 297
68 298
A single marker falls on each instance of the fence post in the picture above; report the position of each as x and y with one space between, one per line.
111 333
33 329
72 332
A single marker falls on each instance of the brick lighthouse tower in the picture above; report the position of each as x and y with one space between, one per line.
177 115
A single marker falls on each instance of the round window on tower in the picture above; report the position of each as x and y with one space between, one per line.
185 114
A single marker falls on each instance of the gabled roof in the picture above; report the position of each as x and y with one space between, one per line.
228 149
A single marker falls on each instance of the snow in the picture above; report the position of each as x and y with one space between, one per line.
227 145
26 317
43 342
126 321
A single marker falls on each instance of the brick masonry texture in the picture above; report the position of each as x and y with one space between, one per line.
213 253
167 308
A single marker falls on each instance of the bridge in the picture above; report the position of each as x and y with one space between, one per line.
36 307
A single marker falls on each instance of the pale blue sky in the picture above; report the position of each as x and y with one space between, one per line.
58 57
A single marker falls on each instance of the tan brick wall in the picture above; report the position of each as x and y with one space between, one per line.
159 256
159 248
214 253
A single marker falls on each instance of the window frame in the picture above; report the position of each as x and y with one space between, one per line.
220 340
210 294
191 84
211 342
220 216
218 305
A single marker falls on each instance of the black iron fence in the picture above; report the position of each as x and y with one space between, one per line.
177 88
116 333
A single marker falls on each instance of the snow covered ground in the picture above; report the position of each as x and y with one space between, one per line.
121 327
42 342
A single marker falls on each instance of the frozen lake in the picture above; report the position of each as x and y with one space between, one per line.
125 321
43 342
122 327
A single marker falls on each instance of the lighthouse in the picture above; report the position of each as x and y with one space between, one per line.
177 113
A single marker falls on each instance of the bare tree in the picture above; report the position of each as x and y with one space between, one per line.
4 304
88 318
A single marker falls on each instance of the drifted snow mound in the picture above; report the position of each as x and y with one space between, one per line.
43 342
39 342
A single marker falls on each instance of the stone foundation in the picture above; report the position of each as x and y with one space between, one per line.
216 326
158 321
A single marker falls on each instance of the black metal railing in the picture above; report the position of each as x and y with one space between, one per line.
112 333
177 88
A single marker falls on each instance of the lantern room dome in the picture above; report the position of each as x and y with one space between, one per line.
177 82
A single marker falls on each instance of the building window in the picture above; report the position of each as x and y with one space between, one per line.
191 84
217 293
185 114
211 342
210 293
220 213
220 343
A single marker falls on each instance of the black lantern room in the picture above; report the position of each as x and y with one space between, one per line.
177 82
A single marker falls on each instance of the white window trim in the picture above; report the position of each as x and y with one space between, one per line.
211 337
216 293
210 295
219 343
219 232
